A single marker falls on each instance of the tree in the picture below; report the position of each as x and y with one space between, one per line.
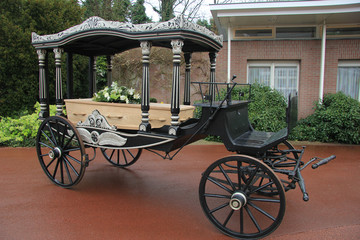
209 25
138 14
18 59
116 10
167 9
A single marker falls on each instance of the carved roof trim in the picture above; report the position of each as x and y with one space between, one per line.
97 23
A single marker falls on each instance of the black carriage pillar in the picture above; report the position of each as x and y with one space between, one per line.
175 96
212 56
70 75
187 57
43 86
58 84
145 89
109 60
92 76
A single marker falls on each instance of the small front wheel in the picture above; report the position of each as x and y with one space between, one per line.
121 157
231 198
61 151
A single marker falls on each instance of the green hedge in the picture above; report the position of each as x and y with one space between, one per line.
21 131
336 119
267 109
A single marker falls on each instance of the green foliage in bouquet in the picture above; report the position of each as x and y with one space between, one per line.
117 94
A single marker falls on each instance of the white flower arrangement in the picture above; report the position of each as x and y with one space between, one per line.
116 93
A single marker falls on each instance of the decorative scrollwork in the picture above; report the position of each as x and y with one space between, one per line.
96 120
178 22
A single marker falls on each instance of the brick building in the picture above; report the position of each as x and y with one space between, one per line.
307 47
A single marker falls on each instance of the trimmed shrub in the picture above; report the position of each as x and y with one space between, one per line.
21 131
267 109
336 119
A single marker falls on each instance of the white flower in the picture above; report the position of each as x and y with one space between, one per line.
106 95
122 97
131 91
137 96
114 84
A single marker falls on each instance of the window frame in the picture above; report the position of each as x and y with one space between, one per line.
341 36
255 28
350 64
273 65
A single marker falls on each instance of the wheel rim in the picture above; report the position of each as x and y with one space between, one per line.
229 196
121 157
61 151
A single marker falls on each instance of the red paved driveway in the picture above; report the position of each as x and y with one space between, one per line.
158 199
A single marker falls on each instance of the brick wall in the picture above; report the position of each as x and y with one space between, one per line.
306 52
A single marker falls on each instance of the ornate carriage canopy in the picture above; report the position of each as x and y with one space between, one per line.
96 36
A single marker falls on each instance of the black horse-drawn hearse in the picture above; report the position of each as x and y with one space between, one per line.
243 195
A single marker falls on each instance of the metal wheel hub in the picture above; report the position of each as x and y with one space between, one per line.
238 200
55 153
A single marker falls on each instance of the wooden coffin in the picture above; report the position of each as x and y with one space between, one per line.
122 115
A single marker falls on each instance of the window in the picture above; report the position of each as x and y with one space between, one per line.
348 78
295 32
282 76
345 31
244 33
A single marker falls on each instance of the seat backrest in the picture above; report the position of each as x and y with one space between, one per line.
292 111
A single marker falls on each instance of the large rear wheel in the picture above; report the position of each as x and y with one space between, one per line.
61 151
121 157
231 198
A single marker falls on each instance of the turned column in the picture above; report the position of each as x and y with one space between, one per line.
187 57
90 76
175 95
43 86
212 56
70 76
94 76
58 84
109 60
145 89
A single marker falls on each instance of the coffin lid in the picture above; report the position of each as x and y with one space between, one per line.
96 36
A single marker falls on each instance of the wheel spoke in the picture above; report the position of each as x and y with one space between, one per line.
63 136
219 207
228 218
216 195
61 170
252 218
130 153
69 141
250 179
71 150
123 152
71 166
52 133
265 200
239 173
112 153
68 172
47 166
44 144
56 167
72 158
48 137
118 156
262 187
241 220
213 180
227 178
262 211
